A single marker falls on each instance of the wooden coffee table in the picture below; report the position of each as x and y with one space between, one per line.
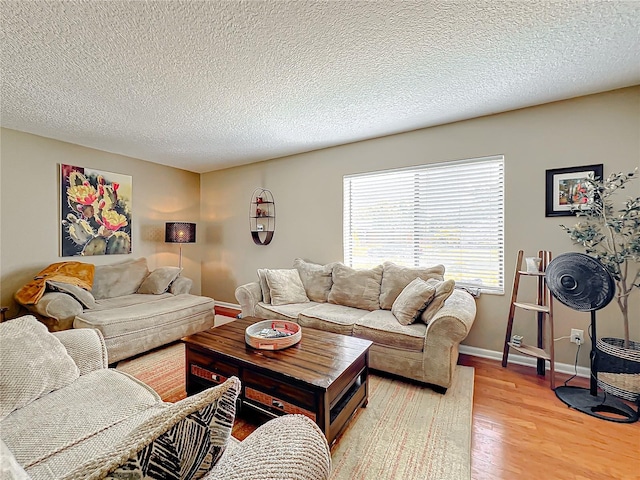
324 376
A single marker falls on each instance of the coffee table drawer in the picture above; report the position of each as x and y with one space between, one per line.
280 390
275 404
210 368
214 377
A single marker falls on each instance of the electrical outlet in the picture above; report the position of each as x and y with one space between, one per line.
577 336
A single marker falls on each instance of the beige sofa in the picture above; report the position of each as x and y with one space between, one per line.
416 326
136 310
65 415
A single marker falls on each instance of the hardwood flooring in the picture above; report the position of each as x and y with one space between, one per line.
522 431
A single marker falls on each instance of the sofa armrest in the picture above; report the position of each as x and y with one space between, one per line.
56 310
455 318
444 333
182 440
86 347
181 285
248 296
291 446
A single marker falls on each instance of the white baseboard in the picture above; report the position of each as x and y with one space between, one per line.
490 354
523 360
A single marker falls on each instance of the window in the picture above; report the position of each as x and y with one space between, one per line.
450 213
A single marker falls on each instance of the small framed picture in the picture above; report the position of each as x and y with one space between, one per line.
566 190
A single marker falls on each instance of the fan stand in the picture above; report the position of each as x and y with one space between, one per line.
589 401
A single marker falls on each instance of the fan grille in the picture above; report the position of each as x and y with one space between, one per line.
580 282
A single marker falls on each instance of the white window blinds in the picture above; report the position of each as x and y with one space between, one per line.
450 213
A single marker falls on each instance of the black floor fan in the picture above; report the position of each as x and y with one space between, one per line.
582 283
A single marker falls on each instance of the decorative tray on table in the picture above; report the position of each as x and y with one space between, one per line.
272 334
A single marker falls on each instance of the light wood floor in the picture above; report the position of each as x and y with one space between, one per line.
521 430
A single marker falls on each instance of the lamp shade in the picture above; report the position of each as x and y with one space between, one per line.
180 232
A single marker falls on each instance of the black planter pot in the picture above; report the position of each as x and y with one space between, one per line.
619 368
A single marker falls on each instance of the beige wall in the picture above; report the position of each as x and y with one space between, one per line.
601 128
30 223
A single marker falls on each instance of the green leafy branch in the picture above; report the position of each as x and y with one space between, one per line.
612 236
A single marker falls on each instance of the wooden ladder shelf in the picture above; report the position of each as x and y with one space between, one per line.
543 308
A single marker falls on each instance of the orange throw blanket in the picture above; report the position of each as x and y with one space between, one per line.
76 273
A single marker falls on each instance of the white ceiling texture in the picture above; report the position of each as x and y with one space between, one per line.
204 85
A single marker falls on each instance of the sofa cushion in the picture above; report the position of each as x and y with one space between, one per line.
126 300
443 291
316 279
412 301
80 294
158 281
120 279
137 328
284 312
331 318
38 363
356 288
285 286
68 426
382 328
262 279
396 277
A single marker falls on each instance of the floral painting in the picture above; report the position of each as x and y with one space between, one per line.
567 189
95 208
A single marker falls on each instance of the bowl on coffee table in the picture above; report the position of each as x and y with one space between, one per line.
273 334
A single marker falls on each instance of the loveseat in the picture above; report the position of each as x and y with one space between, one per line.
136 310
415 319
65 415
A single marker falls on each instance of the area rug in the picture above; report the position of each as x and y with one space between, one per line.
162 369
406 432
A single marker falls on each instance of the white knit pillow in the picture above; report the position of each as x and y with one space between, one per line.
38 362
285 286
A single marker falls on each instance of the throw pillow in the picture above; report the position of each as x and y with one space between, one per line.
262 278
315 278
158 281
117 280
80 294
396 277
38 362
443 291
412 301
182 441
285 287
356 288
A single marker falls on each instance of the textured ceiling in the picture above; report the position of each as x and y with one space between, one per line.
203 85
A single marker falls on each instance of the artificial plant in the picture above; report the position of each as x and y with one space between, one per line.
612 236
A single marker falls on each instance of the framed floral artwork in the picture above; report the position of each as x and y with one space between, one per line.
95 210
566 190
